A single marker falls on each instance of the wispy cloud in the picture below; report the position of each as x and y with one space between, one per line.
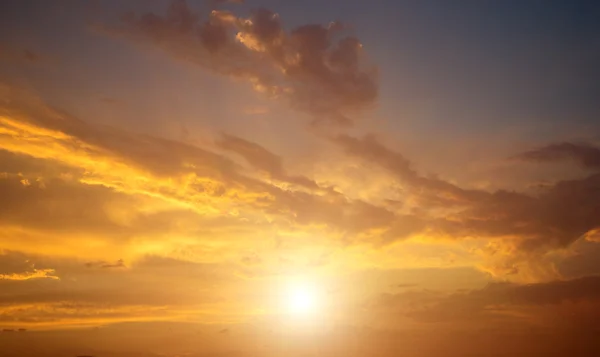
588 156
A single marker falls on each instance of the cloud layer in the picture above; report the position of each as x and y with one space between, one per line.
100 225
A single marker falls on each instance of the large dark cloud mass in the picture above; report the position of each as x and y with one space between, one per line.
306 66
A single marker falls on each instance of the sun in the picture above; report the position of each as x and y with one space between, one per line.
302 299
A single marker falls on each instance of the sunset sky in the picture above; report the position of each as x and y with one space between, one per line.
229 178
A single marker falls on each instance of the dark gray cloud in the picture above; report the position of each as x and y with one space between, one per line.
588 156
558 216
106 265
304 66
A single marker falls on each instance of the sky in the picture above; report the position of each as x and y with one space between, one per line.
302 178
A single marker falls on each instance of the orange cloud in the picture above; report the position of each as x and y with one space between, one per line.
115 169
35 274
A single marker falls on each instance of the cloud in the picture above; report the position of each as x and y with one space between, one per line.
587 156
104 265
195 224
160 192
132 164
304 66
14 54
405 286
84 293
73 165
593 235
520 228
35 274
431 190
57 206
16 267
264 160
558 216
171 174
507 301
93 193
558 306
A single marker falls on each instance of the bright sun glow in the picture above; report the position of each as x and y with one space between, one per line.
302 299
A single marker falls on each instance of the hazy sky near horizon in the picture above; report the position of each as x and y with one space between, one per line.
429 169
